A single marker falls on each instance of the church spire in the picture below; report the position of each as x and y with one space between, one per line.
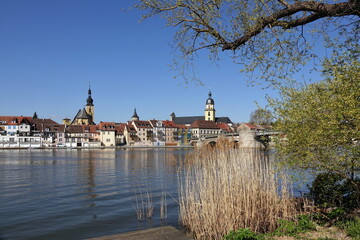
89 100
135 117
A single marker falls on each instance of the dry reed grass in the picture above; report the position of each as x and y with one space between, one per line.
143 206
163 206
225 189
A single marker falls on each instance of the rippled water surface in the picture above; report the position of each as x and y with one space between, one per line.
77 194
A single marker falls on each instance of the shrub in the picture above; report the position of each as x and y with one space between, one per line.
305 224
352 228
327 190
291 228
242 234
332 190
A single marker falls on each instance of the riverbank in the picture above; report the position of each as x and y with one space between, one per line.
97 148
160 233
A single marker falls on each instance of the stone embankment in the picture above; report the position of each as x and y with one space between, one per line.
160 233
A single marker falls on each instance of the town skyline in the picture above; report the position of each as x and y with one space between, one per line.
52 51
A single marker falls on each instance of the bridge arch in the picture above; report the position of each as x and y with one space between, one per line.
211 143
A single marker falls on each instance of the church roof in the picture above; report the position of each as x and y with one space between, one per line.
223 120
82 114
135 114
189 120
210 100
89 100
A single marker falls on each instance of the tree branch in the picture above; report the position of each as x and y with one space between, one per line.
318 10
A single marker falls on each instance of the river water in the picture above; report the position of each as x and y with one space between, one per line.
79 194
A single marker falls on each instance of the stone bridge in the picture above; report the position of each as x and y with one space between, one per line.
243 139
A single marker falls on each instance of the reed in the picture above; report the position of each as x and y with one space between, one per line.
223 189
163 206
143 205
139 206
149 205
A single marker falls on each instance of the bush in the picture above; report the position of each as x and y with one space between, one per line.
352 228
332 190
290 228
327 190
242 234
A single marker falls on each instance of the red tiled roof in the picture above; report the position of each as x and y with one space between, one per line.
204 124
182 126
74 129
142 124
120 127
90 128
169 124
250 126
225 127
107 126
15 120
130 129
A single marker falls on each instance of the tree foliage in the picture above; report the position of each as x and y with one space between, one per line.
35 116
268 35
321 121
261 116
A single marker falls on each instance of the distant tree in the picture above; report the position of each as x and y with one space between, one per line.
35 116
261 116
321 121
273 36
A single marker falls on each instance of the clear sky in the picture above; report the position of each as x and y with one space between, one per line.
50 50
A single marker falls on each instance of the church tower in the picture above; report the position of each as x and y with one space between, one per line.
209 109
90 107
135 117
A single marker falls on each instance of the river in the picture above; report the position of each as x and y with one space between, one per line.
79 194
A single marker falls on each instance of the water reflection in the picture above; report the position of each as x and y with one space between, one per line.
80 194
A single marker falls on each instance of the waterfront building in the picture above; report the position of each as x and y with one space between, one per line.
158 132
208 116
46 128
184 134
130 135
91 136
144 132
120 136
107 134
16 132
203 128
171 133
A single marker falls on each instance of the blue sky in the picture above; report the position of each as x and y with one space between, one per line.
51 50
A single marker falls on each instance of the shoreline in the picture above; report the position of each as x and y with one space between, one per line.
97 148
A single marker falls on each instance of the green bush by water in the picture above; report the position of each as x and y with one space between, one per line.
292 228
332 190
351 227
243 234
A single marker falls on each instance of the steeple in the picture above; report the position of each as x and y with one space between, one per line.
90 110
210 100
89 100
135 117
210 109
